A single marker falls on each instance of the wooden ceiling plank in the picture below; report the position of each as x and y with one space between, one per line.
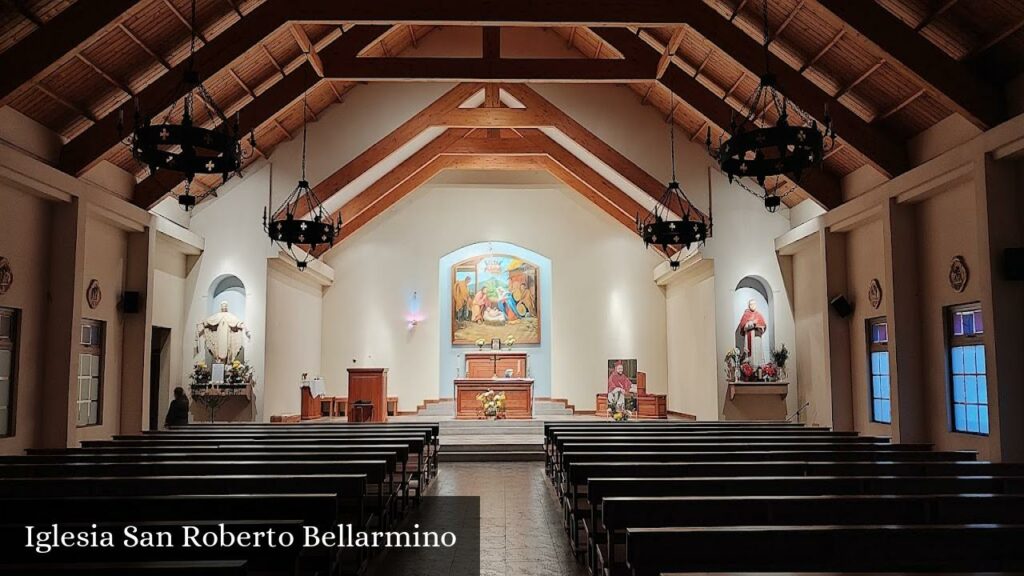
934 14
188 23
785 23
856 81
951 82
814 60
86 148
46 47
1009 31
902 104
234 6
110 80
273 61
66 103
26 12
739 8
138 42
885 151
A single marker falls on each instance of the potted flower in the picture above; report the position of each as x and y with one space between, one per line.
780 356
770 372
200 375
492 404
238 373
747 372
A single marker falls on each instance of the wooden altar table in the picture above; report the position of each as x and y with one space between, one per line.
518 397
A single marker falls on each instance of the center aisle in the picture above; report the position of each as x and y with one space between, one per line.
521 530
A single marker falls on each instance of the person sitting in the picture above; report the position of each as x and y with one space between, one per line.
177 412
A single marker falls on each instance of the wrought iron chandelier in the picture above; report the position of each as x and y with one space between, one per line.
768 153
301 221
189 147
663 227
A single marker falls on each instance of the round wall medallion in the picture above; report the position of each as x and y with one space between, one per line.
6 276
93 294
875 293
958 274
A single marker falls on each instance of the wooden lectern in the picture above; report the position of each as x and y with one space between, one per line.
368 386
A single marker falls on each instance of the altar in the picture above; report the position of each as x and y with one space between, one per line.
518 397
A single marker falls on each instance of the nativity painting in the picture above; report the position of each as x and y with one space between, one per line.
495 296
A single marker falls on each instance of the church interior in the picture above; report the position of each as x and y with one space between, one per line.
616 288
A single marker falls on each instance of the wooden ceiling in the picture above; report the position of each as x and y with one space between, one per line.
887 68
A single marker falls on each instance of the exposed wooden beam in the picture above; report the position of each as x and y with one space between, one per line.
42 51
951 82
270 57
80 110
262 109
494 146
112 81
484 70
234 6
822 186
306 45
497 162
400 173
492 96
670 50
856 81
550 13
493 118
22 8
785 23
491 42
739 8
188 23
1006 33
935 14
885 151
394 140
585 138
831 43
902 104
145 47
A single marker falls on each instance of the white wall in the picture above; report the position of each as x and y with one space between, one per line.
604 302
169 281
692 347
294 316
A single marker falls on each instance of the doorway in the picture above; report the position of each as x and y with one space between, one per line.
159 374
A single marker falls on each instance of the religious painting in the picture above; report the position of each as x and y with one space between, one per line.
495 297
622 389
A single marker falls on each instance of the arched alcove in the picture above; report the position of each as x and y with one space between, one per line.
537 280
227 288
754 290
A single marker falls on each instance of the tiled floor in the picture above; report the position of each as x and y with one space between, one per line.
521 531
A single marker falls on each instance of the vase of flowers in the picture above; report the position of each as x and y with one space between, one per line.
510 341
620 405
238 373
200 376
780 356
480 344
492 404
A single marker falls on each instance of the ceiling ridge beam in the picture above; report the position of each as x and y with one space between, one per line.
418 69
59 38
952 83
87 148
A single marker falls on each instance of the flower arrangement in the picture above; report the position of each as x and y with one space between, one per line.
510 341
480 343
747 372
200 375
733 359
492 403
780 356
238 372
770 372
620 405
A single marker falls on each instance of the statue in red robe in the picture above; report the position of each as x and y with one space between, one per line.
751 328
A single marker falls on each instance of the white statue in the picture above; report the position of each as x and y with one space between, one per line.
224 335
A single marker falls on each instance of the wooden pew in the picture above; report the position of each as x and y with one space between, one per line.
977 548
619 514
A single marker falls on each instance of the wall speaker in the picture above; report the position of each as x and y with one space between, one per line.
1013 264
130 302
841 305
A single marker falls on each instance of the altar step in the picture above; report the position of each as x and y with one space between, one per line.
491 440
